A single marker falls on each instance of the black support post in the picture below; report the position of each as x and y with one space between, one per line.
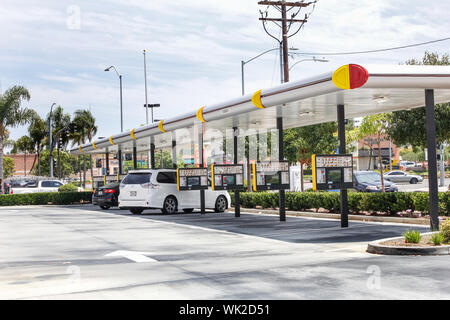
281 157
152 153
120 161
107 163
237 196
134 157
174 154
201 162
432 159
343 192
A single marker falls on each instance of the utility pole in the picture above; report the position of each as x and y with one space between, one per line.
285 23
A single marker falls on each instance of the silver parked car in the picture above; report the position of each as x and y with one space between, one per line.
400 176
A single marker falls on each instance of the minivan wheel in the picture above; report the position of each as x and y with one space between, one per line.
105 207
413 181
221 204
136 211
170 205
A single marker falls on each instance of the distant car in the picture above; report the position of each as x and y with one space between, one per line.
370 181
107 196
407 164
157 189
400 176
36 186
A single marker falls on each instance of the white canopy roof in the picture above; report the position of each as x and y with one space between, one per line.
300 103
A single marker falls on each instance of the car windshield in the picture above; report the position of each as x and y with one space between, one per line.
368 177
137 178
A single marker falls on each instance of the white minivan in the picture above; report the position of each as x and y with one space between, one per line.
157 189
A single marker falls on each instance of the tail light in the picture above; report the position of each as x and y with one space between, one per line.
94 191
110 191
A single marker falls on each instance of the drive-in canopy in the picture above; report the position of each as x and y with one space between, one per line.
299 103
349 92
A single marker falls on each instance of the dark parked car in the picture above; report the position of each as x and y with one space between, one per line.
106 196
369 181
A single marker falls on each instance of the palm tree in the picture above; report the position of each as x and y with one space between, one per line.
60 120
24 144
12 115
38 133
77 138
85 122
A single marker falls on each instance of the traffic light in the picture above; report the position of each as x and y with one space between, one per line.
60 142
98 163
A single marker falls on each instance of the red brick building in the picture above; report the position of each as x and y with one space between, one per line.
23 163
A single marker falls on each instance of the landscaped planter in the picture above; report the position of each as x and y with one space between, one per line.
387 246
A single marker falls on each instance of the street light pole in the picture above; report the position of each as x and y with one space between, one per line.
50 141
312 59
121 101
145 82
243 63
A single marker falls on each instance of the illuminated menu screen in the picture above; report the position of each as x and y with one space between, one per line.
192 178
332 172
227 176
273 175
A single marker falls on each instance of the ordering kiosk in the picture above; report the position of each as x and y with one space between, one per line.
332 171
227 176
270 175
192 179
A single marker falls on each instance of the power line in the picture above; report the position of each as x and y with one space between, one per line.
371 51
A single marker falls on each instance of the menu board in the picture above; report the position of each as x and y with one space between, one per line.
332 171
192 179
271 175
227 176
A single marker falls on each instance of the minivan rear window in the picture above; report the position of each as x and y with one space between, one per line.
137 178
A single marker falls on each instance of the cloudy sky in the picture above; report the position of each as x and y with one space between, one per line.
59 49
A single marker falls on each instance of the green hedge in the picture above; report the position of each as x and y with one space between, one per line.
43 198
68 188
390 202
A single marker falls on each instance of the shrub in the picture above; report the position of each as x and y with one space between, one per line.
390 202
437 239
68 188
43 198
412 236
445 230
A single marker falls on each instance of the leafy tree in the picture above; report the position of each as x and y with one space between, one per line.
12 115
68 163
301 143
411 155
408 127
8 167
374 125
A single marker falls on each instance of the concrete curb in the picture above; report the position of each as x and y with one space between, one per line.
377 248
415 221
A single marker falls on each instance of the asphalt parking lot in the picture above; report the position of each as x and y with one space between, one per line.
82 252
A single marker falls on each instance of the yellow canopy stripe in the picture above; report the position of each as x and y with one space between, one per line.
256 100
160 126
200 114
